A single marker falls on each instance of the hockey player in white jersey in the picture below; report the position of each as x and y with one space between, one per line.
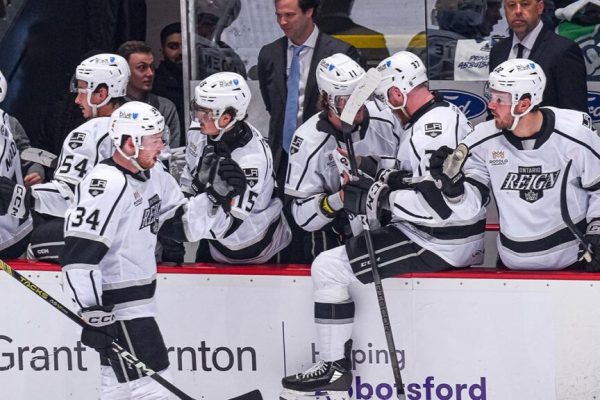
219 130
15 220
108 262
424 236
522 155
313 185
100 82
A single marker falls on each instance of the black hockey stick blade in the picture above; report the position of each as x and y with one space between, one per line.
253 395
564 213
39 156
358 97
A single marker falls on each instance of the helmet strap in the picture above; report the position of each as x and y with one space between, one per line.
95 107
518 117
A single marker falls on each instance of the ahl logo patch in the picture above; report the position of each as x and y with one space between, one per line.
97 187
433 129
251 176
530 182
296 143
150 217
76 140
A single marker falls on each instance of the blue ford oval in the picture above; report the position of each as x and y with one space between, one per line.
470 104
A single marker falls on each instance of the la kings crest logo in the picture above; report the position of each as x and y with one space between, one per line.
97 187
433 129
76 140
295 146
530 182
150 217
251 176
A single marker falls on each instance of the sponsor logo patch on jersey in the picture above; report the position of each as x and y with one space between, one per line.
76 140
296 143
498 158
587 121
97 187
251 176
530 182
151 214
137 198
433 129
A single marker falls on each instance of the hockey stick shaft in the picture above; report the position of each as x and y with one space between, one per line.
385 317
564 212
124 354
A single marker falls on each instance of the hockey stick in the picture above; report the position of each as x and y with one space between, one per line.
129 358
564 213
39 156
355 102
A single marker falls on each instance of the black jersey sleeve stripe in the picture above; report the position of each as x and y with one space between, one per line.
415 152
405 211
235 224
299 202
483 190
4 149
308 220
532 246
76 298
80 250
94 287
112 210
593 188
433 196
579 142
382 120
454 232
308 161
485 139
98 144
129 294
456 128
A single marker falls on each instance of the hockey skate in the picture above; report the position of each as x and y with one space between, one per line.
326 380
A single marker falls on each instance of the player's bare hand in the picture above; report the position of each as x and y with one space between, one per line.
32 179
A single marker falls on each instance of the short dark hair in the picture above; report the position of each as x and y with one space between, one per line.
168 30
133 46
306 5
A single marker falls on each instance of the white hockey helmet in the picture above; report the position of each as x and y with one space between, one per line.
338 75
3 87
111 70
519 77
136 120
403 70
220 92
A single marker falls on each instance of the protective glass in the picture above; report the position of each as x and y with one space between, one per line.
199 114
339 102
497 97
73 86
154 142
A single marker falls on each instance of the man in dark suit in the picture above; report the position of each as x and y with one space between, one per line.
560 58
274 64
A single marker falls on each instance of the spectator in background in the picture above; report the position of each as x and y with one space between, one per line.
141 63
333 18
214 55
32 172
286 73
560 58
168 77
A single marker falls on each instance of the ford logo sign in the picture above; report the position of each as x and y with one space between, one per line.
470 104
593 99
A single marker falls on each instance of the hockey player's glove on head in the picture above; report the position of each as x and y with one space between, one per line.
445 166
103 331
228 181
592 234
205 169
366 197
15 200
396 180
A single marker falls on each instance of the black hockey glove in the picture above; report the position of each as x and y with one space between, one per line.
366 197
445 166
15 200
396 180
103 332
592 234
205 169
228 181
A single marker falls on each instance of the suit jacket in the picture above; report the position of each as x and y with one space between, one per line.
272 76
562 62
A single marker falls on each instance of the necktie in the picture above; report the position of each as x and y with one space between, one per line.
520 49
291 103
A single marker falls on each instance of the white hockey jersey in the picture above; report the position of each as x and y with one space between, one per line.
525 176
111 232
12 229
422 214
312 172
82 149
264 231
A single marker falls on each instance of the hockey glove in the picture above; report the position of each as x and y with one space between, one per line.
103 330
365 197
205 169
592 234
445 166
228 181
396 180
15 200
